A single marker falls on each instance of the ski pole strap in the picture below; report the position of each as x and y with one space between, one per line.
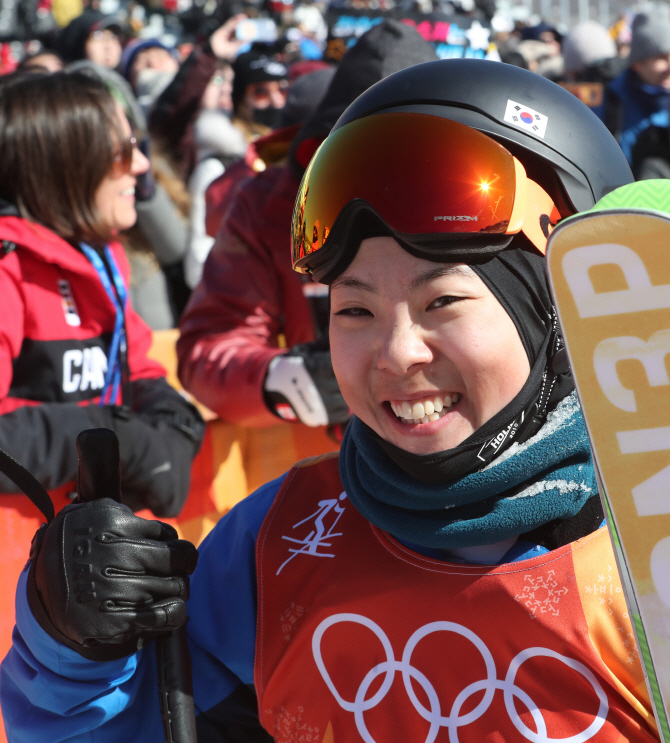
118 296
20 476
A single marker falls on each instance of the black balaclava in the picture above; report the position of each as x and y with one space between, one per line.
516 277
270 116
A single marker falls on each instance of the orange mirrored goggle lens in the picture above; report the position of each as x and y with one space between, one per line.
425 176
422 174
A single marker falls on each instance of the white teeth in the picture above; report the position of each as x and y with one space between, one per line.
417 410
426 411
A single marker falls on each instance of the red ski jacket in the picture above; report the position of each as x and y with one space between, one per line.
55 335
57 321
250 305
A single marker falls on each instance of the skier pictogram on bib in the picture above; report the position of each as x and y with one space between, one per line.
318 541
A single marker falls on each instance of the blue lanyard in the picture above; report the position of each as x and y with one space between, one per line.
118 345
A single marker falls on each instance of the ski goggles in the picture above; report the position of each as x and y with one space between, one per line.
445 191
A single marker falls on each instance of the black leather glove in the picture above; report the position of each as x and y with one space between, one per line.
158 439
300 386
104 582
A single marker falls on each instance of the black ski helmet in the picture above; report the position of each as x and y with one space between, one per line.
576 151
563 147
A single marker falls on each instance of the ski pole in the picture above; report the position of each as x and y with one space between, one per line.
99 476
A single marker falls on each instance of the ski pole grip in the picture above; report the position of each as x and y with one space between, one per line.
99 474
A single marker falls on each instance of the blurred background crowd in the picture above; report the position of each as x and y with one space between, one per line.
213 84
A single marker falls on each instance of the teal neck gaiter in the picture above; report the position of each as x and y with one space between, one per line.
549 476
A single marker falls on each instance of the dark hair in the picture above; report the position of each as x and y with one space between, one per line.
27 63
59 137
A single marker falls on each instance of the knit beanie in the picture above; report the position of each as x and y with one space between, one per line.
305 95
586 44
534 33
651 34
255 66
134 47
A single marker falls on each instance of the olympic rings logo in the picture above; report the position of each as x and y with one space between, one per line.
454 720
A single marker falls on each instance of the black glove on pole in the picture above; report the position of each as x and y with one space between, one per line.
99 476
103 581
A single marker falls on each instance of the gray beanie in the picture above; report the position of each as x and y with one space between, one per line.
305 95
586 44
651 34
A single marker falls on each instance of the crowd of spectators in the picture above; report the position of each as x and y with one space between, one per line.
203 96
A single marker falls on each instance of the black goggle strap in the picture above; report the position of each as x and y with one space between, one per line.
20 476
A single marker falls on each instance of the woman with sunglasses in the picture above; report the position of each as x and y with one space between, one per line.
436 582
73 353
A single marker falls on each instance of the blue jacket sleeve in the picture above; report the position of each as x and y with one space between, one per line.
50 692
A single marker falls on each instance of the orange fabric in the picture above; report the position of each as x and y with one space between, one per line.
604 604
19 520
359 638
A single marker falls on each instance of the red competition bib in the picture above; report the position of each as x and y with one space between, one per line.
361 639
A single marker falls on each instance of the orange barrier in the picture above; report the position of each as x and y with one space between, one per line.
19 520
232 462
590 94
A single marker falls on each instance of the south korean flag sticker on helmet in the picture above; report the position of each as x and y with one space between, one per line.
526 118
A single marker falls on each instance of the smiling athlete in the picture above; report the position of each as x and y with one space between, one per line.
448 577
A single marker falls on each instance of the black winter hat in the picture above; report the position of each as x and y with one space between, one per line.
389 47
72 40
255 66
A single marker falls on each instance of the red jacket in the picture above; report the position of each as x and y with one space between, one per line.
55 332
249 298
57 320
